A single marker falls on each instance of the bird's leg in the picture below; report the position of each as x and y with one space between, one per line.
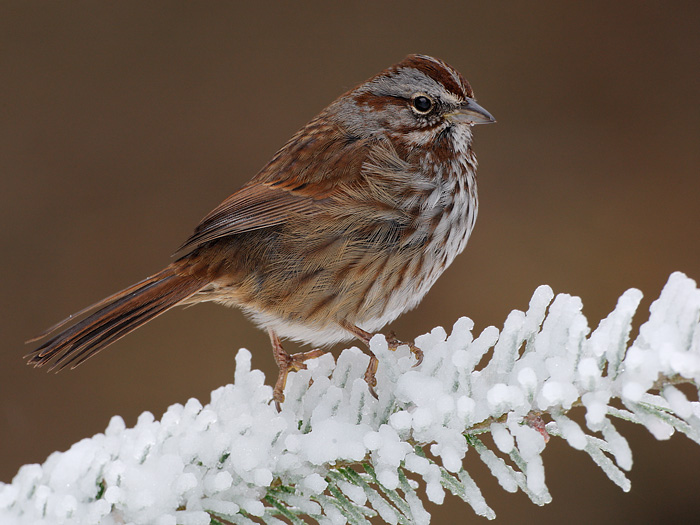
287 363
392 341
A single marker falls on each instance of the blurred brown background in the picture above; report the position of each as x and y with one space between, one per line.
123 123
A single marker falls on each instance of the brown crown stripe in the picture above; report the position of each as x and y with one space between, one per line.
438 70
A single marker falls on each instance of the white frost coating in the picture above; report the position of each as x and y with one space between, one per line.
588 371
315 483
224 457
401 420
596 404
500 470
595 449
618 446
355 493
633 391
530 442
527 378
570 431
557 393
535 476
502 438
678 402
473 496
388 478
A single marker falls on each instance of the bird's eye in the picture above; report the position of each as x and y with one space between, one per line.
422 104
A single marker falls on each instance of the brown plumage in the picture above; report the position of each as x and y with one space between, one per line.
348 225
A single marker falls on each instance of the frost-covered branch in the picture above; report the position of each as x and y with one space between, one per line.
335 454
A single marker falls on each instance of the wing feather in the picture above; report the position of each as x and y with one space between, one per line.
251 208
316 163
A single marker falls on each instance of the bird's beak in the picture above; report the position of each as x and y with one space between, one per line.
469 112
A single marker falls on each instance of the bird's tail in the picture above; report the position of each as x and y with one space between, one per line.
72 342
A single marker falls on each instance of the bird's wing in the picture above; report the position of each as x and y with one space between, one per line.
316 163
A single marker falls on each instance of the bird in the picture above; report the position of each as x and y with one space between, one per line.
348 226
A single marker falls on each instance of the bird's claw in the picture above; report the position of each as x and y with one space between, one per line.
371 375
394 343
289 363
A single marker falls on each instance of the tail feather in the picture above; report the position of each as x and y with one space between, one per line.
113 318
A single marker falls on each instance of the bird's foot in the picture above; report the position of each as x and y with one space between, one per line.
394 343
287 363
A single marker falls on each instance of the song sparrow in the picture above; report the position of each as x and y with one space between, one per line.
347 227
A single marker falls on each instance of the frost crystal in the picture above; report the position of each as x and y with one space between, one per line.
336 454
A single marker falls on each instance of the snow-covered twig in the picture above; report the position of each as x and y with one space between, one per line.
335 454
